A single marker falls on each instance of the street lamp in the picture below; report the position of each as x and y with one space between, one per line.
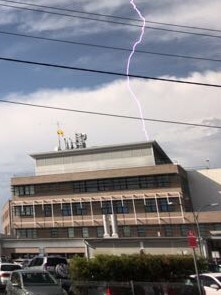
196 219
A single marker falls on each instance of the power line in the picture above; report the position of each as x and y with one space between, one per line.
114 22
111 16
107 72
108 114
109 47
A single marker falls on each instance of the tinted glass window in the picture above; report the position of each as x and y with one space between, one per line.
53 261
8 267
15 279
207 281
218 278
36 262
38 278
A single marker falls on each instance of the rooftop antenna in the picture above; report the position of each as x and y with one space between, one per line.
59 133
80 140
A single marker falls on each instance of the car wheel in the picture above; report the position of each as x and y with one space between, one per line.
61 270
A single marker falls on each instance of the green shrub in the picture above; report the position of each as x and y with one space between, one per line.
137 267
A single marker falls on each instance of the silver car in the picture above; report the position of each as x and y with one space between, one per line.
34 282
5 272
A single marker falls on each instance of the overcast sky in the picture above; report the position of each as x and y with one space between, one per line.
194 32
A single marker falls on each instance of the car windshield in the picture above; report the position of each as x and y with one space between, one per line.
9 267
53 261
36 278
218 278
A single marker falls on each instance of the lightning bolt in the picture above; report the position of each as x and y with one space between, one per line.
128 68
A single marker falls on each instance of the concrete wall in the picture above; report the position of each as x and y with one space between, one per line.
95 161
205 188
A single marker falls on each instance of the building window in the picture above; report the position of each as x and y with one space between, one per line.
123 183
79 209
66 210
217 226
24 190
162 181
23 211
91 186
184 230
164 205
47 210
79 187
26 233
126 231
106 185
119 183
203 230
106 207
120 207
54 232
151 182
100 232
168 230
141 231
150 205
133 183
71 232
85 232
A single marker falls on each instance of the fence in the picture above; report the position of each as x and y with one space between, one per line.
135 288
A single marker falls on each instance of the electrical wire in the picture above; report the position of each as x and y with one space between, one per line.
108 114
111 16
114 22
109 47
107 72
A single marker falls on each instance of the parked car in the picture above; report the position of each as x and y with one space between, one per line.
56 265
211 282
190 287
23 262
25 281
5 271
213 267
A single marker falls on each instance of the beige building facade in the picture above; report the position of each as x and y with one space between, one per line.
120 199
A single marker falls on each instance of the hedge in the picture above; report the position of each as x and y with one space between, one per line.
136 267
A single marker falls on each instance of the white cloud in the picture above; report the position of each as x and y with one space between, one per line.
197 13
29 130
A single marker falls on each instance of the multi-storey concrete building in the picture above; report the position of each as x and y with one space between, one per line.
101 196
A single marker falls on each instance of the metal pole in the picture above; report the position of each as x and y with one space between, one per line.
197 272
196 219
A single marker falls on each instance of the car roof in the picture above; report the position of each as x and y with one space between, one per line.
48 256
212 274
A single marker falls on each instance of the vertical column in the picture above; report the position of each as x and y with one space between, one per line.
34 213
106 223
114 226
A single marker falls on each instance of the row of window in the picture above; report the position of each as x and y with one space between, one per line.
123 231
105 207
99 185
122 183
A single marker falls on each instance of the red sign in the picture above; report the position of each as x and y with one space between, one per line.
192 239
